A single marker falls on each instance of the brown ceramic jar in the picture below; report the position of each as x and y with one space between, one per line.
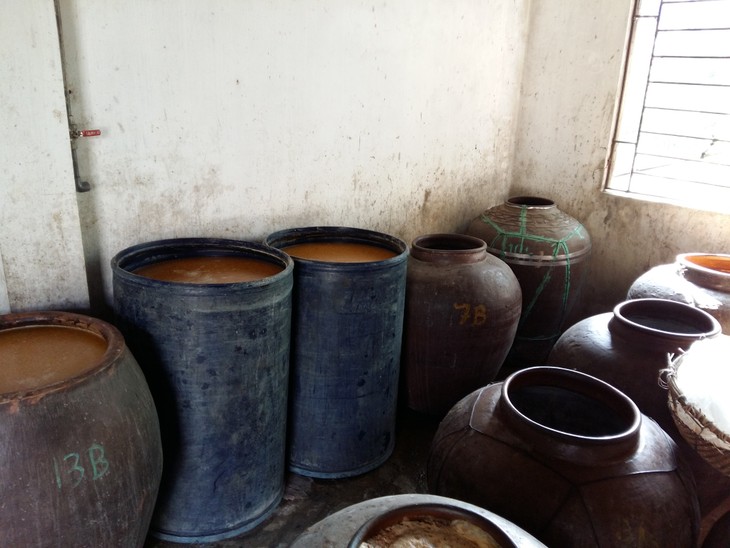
699 279
568 458
462 309
628 349
81 452
548 250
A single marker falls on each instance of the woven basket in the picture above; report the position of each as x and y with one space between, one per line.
712 444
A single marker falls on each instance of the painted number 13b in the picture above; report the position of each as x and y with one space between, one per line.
73 468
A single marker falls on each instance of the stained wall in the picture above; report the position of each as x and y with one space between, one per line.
233 119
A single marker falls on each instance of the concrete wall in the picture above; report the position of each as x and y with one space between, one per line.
235 119
41 260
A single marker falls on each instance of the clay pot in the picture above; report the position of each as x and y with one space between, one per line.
630 346
699 279
628 349
81 453
462 309
548 251
568 458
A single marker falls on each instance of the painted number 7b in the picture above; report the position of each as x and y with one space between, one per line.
471 314
73 468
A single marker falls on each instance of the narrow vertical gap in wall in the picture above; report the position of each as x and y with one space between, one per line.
4 297
84 199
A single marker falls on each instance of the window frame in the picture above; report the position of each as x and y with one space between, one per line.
628 114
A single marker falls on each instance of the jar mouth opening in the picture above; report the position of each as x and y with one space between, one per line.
449 243
339 234
88 325
531 202
129 262
717 264
666 318
571 406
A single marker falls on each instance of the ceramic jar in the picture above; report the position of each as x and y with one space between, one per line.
699 279
629 348
81 452
567 457
548 250
462 309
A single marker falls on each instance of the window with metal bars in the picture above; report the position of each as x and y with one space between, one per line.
672 136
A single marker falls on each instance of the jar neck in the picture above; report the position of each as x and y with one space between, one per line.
660 324
530 202
711 271
569 415
449 249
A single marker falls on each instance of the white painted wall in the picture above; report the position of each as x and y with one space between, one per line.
237 119
569 88
229 118
41 264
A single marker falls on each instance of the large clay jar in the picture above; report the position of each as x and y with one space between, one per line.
628 349
81 453
699 279
568 458
548 251
462 309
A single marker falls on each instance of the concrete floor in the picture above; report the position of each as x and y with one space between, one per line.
307 501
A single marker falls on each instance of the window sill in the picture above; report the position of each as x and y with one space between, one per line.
703 204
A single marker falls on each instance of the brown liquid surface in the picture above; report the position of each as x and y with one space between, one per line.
37 356
713 262
209 270
339 252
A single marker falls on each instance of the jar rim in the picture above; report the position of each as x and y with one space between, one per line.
125 263
559 442
698 261
446 511
111 335
710 270
442 243
530 202
323 234
663 318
